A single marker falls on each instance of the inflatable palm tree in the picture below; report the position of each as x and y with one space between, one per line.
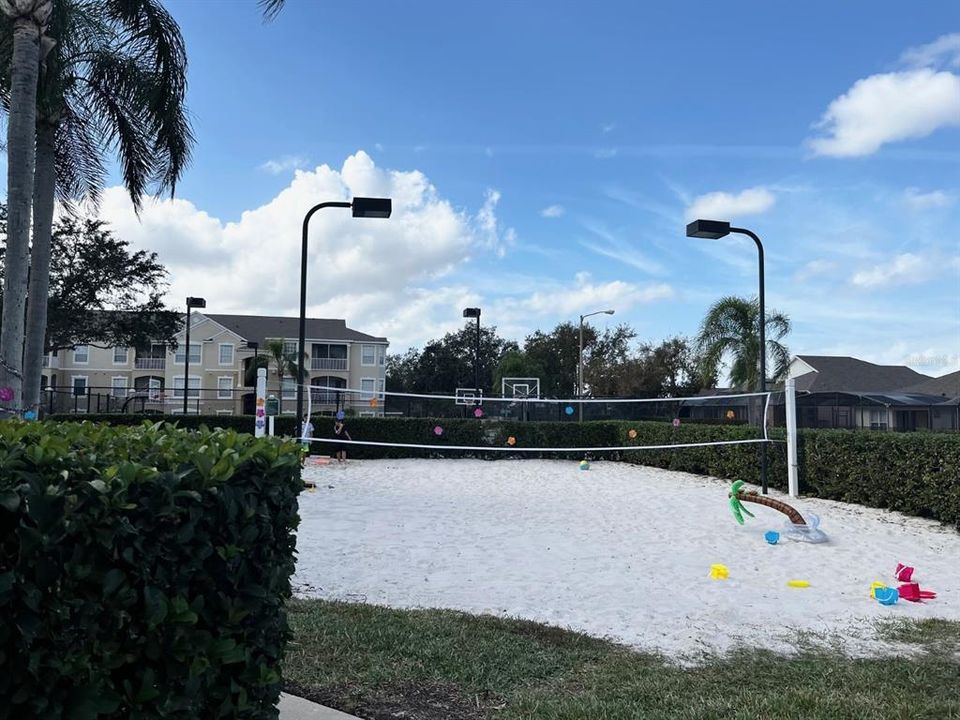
738 496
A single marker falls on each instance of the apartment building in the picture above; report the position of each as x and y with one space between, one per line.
90 378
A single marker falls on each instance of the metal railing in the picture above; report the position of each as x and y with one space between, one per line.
328 364
150 363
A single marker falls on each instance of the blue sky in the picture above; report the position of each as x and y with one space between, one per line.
546 156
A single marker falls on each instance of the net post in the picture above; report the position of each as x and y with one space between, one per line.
793 475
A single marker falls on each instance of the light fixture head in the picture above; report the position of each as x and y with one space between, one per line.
196 302
372 207
708 229
471 312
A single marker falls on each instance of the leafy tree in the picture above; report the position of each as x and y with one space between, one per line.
558 354
115 80
729 336
101 292
446 364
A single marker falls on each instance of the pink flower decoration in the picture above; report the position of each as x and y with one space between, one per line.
478 413
676 422
438 430
6 394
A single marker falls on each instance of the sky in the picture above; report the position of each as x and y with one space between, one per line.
544 157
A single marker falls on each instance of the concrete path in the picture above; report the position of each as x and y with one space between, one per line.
295 708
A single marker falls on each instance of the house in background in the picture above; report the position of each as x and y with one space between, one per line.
844 392
89 378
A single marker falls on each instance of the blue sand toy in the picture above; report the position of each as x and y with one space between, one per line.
887 596
772 537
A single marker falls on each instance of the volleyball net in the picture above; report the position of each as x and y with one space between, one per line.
661 423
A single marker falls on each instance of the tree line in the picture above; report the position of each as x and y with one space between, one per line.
615 363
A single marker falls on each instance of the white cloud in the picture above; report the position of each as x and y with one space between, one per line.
887 108
904 269
605 153
284 164
942 52
727 206
251 265
815 269
569 301
917 200
553 211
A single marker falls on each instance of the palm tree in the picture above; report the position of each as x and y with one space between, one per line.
285 364
116 80
27 20
731 330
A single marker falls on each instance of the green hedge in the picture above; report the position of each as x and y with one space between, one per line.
916 473
143 571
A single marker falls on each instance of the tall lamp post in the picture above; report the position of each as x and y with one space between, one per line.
192 302
363 207
713 230
475 313
580 361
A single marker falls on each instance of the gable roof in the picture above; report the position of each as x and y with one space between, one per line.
257 328
848 374
945 386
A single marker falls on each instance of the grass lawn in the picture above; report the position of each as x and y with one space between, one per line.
379 663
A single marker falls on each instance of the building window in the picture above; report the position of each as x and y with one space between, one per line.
367 387
290 347
224 412
194 354
121 355
81 354
226 353
381 356
155 388
289 388
380 388
194 390
368 355
79 384
118 386
225 388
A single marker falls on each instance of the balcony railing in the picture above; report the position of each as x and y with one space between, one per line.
150 363
328 364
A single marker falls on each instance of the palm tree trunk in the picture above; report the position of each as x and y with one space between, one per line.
752 497
21 158
43 195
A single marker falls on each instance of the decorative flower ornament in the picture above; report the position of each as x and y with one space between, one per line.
731 414
6 394
340 415
511 441
632 434
568 409
437 430
676 422
373 402
478 413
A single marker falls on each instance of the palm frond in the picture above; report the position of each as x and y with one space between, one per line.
271 8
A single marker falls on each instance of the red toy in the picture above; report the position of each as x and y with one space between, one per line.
903 573
913 593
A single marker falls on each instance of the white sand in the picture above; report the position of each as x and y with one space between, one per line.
618 551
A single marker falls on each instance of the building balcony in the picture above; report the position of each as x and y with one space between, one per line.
150 363
325 397
328 364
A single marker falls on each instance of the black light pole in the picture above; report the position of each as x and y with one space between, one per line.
192 302
362 207
713 230
475 313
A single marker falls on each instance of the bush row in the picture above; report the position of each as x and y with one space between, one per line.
916 473
143 571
